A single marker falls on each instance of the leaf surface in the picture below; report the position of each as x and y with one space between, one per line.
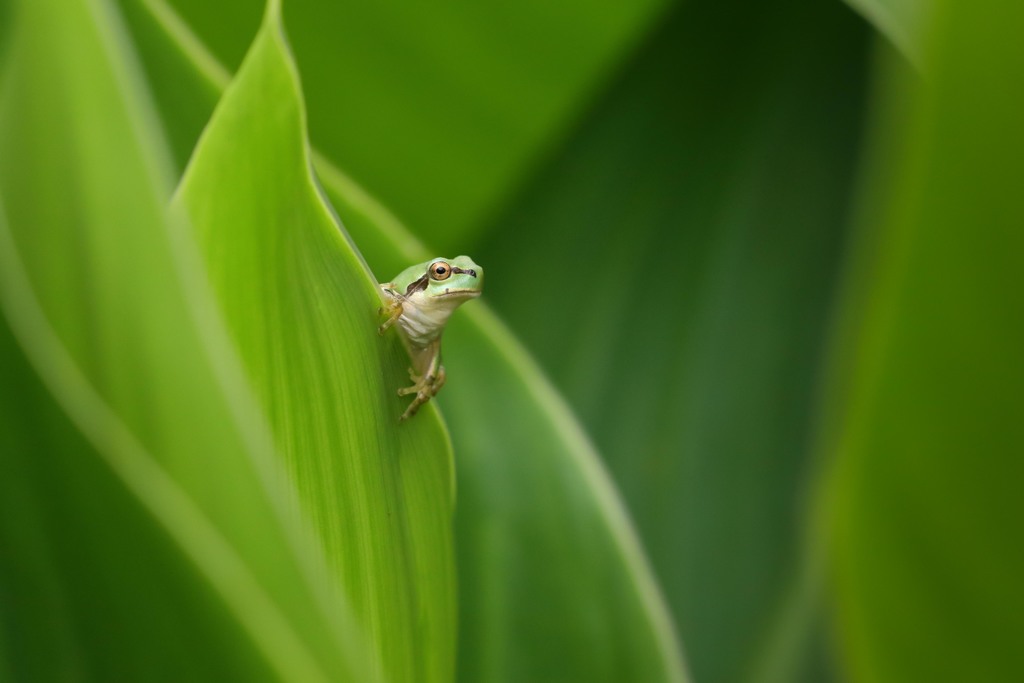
673 268
926 495
301 307
163 490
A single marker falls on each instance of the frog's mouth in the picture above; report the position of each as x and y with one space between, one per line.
467 293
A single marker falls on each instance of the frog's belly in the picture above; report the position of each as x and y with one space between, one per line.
423 324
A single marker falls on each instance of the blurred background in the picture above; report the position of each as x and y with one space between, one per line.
769 254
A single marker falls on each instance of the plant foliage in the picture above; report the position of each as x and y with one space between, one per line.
745 265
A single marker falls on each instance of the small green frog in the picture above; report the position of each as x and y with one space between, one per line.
421 299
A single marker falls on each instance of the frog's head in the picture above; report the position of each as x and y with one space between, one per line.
454 279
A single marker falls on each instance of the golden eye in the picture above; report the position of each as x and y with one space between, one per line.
439 270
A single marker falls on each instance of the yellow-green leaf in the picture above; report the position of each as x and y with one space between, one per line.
929 421
171 468
302 309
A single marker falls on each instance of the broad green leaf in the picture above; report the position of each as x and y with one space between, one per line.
301 307
927 503
90 582
554 585
673 270
175 472
513 433
439 109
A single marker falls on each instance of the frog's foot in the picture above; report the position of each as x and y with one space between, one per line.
393 311
425 388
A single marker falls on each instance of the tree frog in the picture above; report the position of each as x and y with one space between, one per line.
421 299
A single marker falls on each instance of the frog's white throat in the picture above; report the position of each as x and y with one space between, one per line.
423 317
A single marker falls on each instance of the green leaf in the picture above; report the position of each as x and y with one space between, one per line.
554 585
439 110
190 89
301 307
90 581
927 504
176 472
686 241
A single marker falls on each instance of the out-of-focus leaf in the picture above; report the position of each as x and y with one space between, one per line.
105 299
5 23
190 88
928 503
438 109
302 308
578 602
673 270
901 21
89 581
554 585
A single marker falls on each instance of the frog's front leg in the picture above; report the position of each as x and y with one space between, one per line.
393 309
427 384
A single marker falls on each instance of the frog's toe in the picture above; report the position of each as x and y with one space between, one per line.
418 386
421 398
425 388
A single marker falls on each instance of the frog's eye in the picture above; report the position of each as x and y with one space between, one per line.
439 270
